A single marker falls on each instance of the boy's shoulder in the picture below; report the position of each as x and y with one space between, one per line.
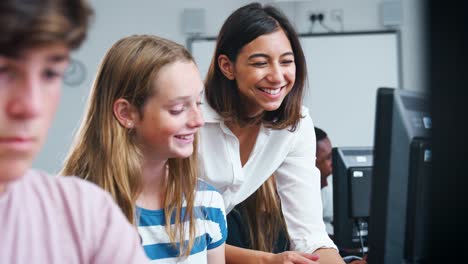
77 213
69 189
70 182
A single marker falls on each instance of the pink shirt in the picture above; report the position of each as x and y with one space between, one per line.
45 219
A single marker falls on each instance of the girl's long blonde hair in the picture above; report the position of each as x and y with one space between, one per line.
106 153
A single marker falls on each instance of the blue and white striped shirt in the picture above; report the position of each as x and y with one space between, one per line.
210 225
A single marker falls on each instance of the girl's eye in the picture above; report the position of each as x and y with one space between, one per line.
177 109
175 112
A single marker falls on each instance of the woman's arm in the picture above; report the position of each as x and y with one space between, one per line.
236 255
329 256
216 255
298 185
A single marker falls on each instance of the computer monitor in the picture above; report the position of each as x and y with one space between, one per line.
402 158
352 171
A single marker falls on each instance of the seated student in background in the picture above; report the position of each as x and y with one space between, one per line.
324 164
137 141
257 223
45 219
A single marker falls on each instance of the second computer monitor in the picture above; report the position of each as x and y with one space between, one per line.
352 171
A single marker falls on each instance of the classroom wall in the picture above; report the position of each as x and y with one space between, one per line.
118 18
361 15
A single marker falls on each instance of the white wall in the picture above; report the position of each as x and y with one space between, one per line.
118 18
359 15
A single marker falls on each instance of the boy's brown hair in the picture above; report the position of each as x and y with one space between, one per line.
30 23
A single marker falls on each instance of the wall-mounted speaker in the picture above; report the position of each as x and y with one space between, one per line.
193 21
391 13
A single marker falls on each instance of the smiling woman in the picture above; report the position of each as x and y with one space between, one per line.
255 126
248 69
265 73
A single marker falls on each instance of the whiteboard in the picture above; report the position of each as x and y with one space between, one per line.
344 72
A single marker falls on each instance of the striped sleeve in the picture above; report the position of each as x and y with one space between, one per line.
212 202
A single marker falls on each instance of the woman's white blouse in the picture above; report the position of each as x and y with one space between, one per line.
289 155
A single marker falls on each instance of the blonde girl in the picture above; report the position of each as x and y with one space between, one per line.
137 141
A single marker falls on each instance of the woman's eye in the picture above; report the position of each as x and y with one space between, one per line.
287 62
259 64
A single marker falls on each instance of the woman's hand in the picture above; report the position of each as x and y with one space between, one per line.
293 257
359 261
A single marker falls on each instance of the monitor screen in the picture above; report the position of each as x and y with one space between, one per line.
352 171
401 157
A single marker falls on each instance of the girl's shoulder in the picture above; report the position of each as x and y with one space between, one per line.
208 196
202 185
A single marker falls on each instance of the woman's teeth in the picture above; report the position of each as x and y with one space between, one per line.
270 91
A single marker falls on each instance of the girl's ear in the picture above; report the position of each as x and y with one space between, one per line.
125 113
226 66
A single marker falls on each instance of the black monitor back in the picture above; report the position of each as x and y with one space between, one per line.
352 170
417 213
401 118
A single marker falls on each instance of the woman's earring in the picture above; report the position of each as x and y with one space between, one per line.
129 124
